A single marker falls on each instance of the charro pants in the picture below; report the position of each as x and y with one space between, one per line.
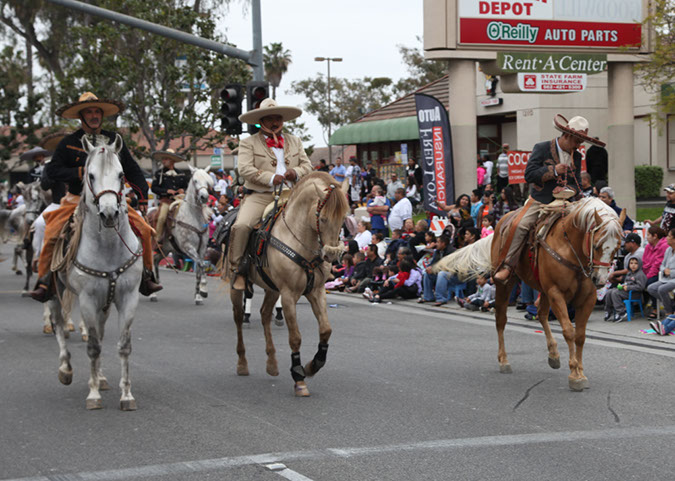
161 217
250 213
523 229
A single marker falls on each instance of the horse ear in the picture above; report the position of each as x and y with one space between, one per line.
622 217
598 219
119 143
86 143
192 169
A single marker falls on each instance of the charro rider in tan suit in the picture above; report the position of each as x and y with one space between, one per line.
266 159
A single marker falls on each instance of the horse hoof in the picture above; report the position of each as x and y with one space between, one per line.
554 362
25 294
204 294
66 377
128 405
505 368
242 370
19 273
301 390
94 404
272 369
70 327
199 302
103 385
279 322
309 369
85 338
153 298
578 385
47 329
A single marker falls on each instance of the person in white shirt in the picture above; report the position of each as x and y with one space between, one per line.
363 235
221 185
401 211
488 164
503 168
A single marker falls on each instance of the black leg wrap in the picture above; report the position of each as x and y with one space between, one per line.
320 357
297 371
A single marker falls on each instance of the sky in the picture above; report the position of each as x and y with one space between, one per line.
364 33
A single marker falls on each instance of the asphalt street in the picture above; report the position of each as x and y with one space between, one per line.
409 392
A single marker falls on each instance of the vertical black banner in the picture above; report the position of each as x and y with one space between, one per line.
436 146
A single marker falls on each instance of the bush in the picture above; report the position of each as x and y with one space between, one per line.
648 180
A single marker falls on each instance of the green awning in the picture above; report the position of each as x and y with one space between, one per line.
404 128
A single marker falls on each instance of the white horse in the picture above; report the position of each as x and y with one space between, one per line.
190 232
105 271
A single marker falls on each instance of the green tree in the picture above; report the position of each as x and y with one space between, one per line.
276 61
658 74
299 129
422 71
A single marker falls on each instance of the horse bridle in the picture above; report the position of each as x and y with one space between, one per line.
97 197
587 270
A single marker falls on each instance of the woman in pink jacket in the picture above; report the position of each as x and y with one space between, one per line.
652 258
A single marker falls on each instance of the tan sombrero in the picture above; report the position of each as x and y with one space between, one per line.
578 127
270 107
49 142
158 155
34 152
86 100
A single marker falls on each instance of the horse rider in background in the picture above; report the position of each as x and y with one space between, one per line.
266 160
67 165
167 184
553 170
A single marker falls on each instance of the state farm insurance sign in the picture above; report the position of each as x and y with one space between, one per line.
596 24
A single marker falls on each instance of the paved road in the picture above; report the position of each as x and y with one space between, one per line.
409 392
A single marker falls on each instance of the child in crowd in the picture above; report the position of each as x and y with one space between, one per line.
483 298
406 284
487 226
664 328
344 272
636 281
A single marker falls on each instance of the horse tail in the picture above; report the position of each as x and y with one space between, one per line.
468 262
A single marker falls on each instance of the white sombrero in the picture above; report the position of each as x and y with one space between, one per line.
578 127
34 152
86 100
270 107
170 153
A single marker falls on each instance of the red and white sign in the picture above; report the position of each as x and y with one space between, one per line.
599 24
518 162
552 82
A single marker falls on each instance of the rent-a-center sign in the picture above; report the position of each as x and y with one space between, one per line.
599 24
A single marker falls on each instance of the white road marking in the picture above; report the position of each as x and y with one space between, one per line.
205 465
284 472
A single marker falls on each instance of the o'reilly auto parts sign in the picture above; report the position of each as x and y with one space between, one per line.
599 24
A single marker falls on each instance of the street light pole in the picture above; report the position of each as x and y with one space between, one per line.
328 61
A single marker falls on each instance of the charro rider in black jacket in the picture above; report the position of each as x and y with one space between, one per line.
67 165
167 184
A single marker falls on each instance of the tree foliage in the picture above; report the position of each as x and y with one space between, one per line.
658 74
276 61
421 70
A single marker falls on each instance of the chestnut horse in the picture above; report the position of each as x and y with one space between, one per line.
571 261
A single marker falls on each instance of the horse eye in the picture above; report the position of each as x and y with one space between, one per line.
121 176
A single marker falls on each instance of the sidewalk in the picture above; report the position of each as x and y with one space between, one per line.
596 327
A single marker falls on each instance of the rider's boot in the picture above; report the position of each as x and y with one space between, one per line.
44 289
503 275
149 284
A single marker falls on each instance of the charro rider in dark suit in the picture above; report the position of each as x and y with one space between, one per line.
67 165
167 184
553 170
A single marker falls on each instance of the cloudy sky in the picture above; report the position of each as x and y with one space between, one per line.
365 33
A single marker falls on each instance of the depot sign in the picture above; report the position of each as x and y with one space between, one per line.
596 24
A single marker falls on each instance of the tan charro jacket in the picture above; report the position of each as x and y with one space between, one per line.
257 163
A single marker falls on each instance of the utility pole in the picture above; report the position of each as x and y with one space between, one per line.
328 60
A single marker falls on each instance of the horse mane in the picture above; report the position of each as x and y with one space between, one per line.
336 206
583 216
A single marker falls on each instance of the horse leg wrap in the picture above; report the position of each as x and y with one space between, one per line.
297 371
320 357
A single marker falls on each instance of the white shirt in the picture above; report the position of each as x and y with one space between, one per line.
503 165
564 157
221 186
363 239
488 164
401 211
281 164
348 173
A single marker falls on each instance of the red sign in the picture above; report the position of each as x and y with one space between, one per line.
552 33
518 162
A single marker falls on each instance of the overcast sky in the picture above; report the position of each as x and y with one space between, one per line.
365 33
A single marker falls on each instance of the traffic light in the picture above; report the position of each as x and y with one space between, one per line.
256 92
232 96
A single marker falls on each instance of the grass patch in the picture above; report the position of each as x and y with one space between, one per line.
651 213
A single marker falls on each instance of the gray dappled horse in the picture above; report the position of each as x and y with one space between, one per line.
106 270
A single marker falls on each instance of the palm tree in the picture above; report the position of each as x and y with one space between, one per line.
276 61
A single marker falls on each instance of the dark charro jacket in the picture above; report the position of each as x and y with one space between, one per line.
67 165
540 171
162 182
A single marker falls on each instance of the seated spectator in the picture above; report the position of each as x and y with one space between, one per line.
395 243
363 236
632 248
443 248
408 229
352 247
635 281
664 328
487 226
459 211
378 240
607 196
483 298
506 203
446 282
419 237
652 258
342 273
363 271
661 289
407 284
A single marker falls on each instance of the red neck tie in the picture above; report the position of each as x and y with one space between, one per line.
272 143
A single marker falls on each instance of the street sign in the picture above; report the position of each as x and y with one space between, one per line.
551 82
217 151
216 161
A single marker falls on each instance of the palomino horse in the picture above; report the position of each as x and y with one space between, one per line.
571 261
304 236
189 231
105 270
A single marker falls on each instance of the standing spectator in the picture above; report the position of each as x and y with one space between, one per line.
586 184
489 167
607 196
657 243
661 289
476 204
633 250
322 167
415 171
480 174
597 163
355 180
412 192
378 213
459 211
401 211
222 185
505 204
667 219
339 172
503 168
363 235
393 186
369 177
635 281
